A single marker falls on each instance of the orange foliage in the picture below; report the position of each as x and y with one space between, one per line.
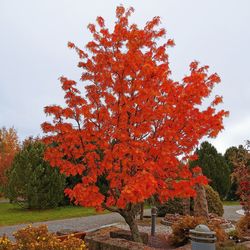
133 125
8 147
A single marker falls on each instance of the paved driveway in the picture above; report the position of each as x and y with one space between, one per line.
230 212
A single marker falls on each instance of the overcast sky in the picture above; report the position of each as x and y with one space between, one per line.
33 53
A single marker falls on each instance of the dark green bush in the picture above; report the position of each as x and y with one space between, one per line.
170 207
31 181
214 202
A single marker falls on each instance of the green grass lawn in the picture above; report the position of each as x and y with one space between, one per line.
231 203
11 214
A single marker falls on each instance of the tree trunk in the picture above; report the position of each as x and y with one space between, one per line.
130 219
186 206
141 211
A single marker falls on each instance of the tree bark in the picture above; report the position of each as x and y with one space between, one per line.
130 219
141 211
186 206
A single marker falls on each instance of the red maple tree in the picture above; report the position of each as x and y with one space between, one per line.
9 146
131 131
240 158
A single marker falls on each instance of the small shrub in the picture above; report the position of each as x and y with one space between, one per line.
233 234
214 202
232 248
243 226
220 233
170 207
32 237
5 243
180 229
229 245
38 238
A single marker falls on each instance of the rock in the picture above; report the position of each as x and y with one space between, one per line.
169 219
186 247
125 234
104 242
246 244
65 232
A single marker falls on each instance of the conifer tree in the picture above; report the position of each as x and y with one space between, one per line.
214 167
32 182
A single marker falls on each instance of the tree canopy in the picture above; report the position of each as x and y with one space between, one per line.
131 124
240 160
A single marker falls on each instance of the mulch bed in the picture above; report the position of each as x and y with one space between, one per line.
158 242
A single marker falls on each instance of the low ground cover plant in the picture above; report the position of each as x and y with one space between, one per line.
243 226
38 238
180 229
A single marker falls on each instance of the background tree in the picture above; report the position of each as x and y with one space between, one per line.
9 146
214 167
31 181
240 158
144 122
229 155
